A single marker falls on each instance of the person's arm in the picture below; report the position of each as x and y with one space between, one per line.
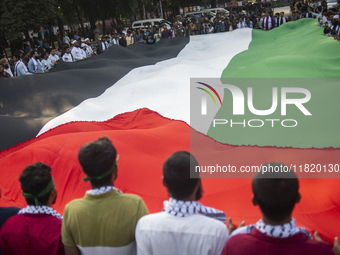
69 250
22 70
336 245
30 67
40 68
67 236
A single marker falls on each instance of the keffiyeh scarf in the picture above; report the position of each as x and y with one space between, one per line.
282 231
102 190
180 208
43 209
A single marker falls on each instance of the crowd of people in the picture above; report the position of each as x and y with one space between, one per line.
107 221
38 57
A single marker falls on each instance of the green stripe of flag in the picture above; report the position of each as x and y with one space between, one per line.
295 50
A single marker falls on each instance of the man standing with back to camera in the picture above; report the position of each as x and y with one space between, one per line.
104 220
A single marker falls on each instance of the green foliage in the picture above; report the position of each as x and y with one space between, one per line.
21 15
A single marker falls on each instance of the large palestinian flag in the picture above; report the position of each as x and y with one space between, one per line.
140 98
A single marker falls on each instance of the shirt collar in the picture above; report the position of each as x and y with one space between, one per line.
281 231
42 209
102 190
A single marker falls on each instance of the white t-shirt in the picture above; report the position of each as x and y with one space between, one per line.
89 50
46 64
76 53
53 58
162 233
67 57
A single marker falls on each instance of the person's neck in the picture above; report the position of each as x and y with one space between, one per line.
105 185
189 198
277 223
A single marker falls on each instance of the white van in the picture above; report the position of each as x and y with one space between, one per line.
150 22
205 14
216 10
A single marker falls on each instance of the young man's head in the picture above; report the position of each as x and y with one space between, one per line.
67 50
98 161
45 55
37 185
276 191
25 60
16 57
176 176
34 54
103 39
53 52
4 62
282 14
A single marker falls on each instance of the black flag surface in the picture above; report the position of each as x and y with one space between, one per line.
27 103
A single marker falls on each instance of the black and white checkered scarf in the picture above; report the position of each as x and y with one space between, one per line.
281 231
180 208
102 190
43 209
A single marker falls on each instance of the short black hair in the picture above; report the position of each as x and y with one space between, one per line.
96 158
276 192
25 59
16 55
26 51
34 179
33 52
176 172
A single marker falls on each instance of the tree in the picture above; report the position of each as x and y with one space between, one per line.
19 16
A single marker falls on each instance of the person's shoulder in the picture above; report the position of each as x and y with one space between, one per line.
74 203
213 223
153 217
319 247
130 197
13 222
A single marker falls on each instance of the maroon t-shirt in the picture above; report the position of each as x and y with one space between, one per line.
6 75
32 234
257 243
166 34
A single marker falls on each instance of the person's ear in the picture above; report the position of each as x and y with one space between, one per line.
115 173
253 199
53 193
298 198
164 183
